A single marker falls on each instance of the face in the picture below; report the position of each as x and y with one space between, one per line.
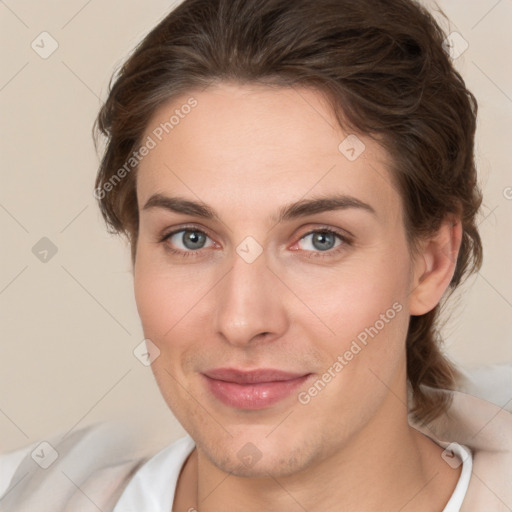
280 319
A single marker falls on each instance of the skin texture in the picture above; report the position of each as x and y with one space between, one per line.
247 151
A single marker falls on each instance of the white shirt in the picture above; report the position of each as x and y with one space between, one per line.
153 486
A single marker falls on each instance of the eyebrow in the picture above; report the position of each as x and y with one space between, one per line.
301 208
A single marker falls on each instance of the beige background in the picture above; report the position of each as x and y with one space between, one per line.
69 326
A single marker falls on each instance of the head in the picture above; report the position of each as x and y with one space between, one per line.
297 184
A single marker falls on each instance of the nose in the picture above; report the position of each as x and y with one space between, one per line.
248 305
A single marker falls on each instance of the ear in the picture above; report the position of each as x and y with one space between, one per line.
434 266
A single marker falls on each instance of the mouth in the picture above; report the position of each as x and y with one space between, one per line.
254 389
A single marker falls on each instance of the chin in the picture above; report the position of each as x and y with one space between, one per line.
255 456
273 466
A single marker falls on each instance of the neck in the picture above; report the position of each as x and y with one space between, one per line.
387 466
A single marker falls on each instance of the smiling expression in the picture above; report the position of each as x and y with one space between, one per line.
261 246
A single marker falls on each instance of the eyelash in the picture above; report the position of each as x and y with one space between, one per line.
346 241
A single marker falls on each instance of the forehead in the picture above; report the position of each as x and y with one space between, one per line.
247 144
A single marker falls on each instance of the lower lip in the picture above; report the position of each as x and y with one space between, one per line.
253 396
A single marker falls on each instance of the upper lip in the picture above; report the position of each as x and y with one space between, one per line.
251 376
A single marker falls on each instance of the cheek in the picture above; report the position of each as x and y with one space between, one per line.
154 300
173 308
354 296
364 356
364 305
162 296
161 305
345 301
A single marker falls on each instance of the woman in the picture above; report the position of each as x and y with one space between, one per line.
297 183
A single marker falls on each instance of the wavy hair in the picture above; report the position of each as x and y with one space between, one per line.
382 66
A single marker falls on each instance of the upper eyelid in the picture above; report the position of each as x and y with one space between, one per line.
185 228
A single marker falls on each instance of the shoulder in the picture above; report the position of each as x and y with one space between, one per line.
482 423
82 469
154 485
486 429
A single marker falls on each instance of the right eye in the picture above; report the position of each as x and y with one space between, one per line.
186 241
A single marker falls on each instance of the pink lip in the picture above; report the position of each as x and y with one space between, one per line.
255 389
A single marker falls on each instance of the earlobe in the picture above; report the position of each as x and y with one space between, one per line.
434 267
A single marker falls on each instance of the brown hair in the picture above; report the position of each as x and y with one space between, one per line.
381 65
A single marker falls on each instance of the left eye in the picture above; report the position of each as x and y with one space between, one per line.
324 240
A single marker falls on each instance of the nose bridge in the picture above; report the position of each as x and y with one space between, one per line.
248 303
